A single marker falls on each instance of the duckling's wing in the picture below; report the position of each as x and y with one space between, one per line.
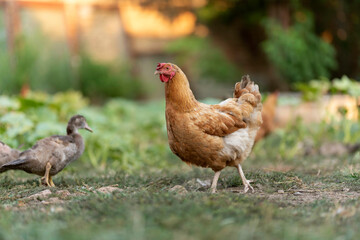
53 142
46 147
63 140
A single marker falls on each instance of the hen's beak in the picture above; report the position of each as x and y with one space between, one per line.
88 128
157 72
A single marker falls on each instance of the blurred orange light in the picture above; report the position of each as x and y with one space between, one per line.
141 22
327 36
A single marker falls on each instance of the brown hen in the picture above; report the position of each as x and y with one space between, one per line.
211 136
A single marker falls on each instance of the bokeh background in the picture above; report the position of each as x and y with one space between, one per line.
109 48
97 58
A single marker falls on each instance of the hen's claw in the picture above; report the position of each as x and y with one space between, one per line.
246 182
248 186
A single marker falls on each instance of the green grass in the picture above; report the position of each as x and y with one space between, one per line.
146 208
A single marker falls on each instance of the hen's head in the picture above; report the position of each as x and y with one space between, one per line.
166 71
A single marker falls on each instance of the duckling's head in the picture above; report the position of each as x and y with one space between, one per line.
77 122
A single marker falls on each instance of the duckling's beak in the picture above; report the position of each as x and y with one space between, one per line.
88 128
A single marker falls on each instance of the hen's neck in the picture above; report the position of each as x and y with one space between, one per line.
178 93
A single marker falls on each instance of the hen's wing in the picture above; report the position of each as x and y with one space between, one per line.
219 120
232 114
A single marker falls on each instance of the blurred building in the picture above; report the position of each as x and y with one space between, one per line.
107 30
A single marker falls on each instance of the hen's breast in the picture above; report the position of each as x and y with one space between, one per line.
192 145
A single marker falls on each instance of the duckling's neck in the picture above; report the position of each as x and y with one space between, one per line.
71 130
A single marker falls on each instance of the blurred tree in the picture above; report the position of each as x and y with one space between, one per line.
236 25
339 24
45 66
203 59
296 52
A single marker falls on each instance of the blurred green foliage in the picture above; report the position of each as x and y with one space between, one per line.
301 39
345 85
44 70
316 88
49 67
203 58
127 135
297 52
101 81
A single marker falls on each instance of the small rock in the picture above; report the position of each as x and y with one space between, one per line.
281 191
297 193
52 200
178 189
63 193
56 209
41 194
109 189
205 183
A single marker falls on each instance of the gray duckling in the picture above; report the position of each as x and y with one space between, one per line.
7 154
51 155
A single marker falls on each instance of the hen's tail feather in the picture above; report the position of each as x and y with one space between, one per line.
247 86
245 80
246 91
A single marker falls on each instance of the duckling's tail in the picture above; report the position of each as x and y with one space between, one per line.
12 165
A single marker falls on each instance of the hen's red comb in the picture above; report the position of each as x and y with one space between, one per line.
159 66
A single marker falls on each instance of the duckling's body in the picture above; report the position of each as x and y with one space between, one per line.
51 155
7 154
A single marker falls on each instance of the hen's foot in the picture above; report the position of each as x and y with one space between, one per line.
247 186
213 190
246 182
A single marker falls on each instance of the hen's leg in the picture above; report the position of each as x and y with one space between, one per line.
246 182
47 175
214 182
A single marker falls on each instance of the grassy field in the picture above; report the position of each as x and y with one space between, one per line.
128 185
317 200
